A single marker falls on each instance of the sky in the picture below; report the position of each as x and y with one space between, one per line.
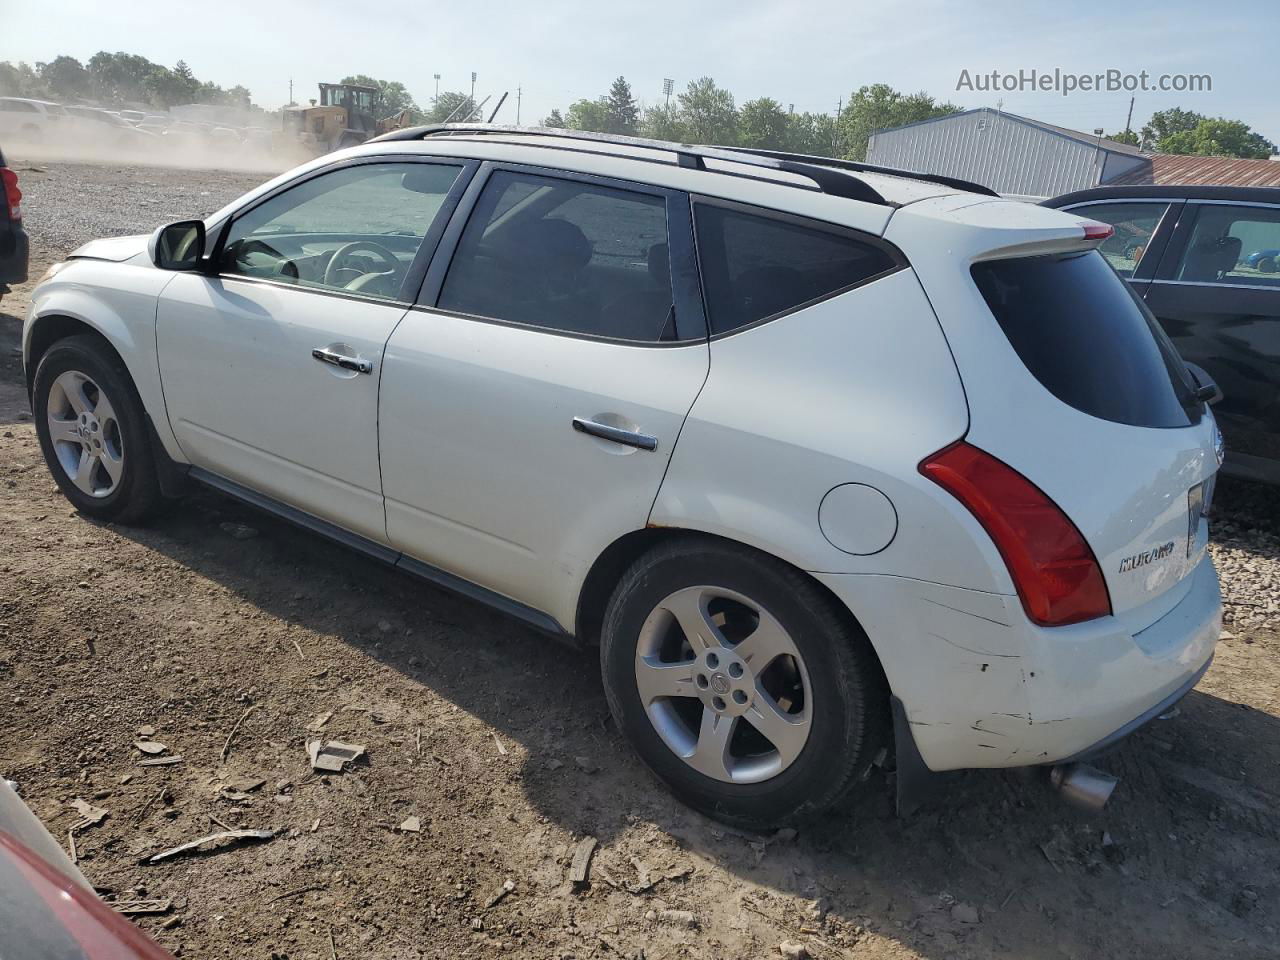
810 53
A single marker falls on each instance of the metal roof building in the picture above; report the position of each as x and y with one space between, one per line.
1010 154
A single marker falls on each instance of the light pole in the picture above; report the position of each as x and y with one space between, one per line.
667 85
471 116
437 77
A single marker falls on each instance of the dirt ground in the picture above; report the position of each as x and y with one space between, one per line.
498 740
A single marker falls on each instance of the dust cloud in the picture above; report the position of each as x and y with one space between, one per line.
183 152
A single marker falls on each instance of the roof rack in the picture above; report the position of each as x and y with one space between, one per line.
857 167
826 177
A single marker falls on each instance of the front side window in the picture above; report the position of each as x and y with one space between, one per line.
357 229
565 255
756 267
1233 244
1134 224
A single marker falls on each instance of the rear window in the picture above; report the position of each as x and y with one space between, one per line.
754 267
1088 339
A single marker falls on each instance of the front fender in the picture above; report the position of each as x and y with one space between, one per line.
118 302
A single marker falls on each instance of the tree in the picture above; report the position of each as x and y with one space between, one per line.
20 80
121 77
1125 136
391 96
1218 137
707 113
880 107
65 78
450 104
1165 123
812 133
622 115
553 120
664 122
763 123
588 115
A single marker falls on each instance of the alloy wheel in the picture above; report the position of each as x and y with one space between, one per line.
85 434
723 684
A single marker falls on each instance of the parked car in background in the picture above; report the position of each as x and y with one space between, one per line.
1203 260
13 238
812 452
32 121
103 127
48 910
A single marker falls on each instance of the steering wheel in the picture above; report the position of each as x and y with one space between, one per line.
283 266
335 262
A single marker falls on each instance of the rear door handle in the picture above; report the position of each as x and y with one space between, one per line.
629 438
358 364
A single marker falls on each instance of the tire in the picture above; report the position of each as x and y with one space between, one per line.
105 418
823 680
1266 264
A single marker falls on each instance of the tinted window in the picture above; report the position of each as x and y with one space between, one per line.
565 255
1134 223
754 267
1083 334
357 229
1233 244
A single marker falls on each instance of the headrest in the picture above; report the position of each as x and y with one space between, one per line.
547 243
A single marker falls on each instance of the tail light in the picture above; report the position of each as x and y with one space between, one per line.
12 195
1053 568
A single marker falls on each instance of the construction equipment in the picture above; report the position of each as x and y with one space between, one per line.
343 117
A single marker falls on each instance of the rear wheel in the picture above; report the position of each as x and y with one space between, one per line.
1266 264
740 683
93 431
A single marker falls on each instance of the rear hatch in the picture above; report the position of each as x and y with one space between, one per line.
1073 384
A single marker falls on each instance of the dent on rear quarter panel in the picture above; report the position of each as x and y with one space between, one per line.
856 389
118 300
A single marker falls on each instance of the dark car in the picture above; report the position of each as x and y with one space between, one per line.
13 239
1204 260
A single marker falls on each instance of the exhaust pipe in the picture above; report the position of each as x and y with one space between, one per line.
1083 786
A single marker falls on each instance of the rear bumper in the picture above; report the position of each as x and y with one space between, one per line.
14 254
983 687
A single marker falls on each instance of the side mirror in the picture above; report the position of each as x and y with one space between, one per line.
178 246
1207 390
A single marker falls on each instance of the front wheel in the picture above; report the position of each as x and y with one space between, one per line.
93 431
740 683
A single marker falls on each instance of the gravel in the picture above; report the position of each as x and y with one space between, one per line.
1245 533
67 204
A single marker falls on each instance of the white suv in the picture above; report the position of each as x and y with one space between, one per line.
820 456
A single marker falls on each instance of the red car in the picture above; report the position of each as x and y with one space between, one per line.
48 910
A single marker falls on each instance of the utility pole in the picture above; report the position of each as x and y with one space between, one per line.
835 127
291 89
1128 121
473 94
519 93
437 77
667 85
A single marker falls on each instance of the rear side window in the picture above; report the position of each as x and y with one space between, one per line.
565 255
1233 244
1134 224
755 267
1088 339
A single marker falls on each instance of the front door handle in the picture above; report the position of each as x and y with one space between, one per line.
358 364
629 438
